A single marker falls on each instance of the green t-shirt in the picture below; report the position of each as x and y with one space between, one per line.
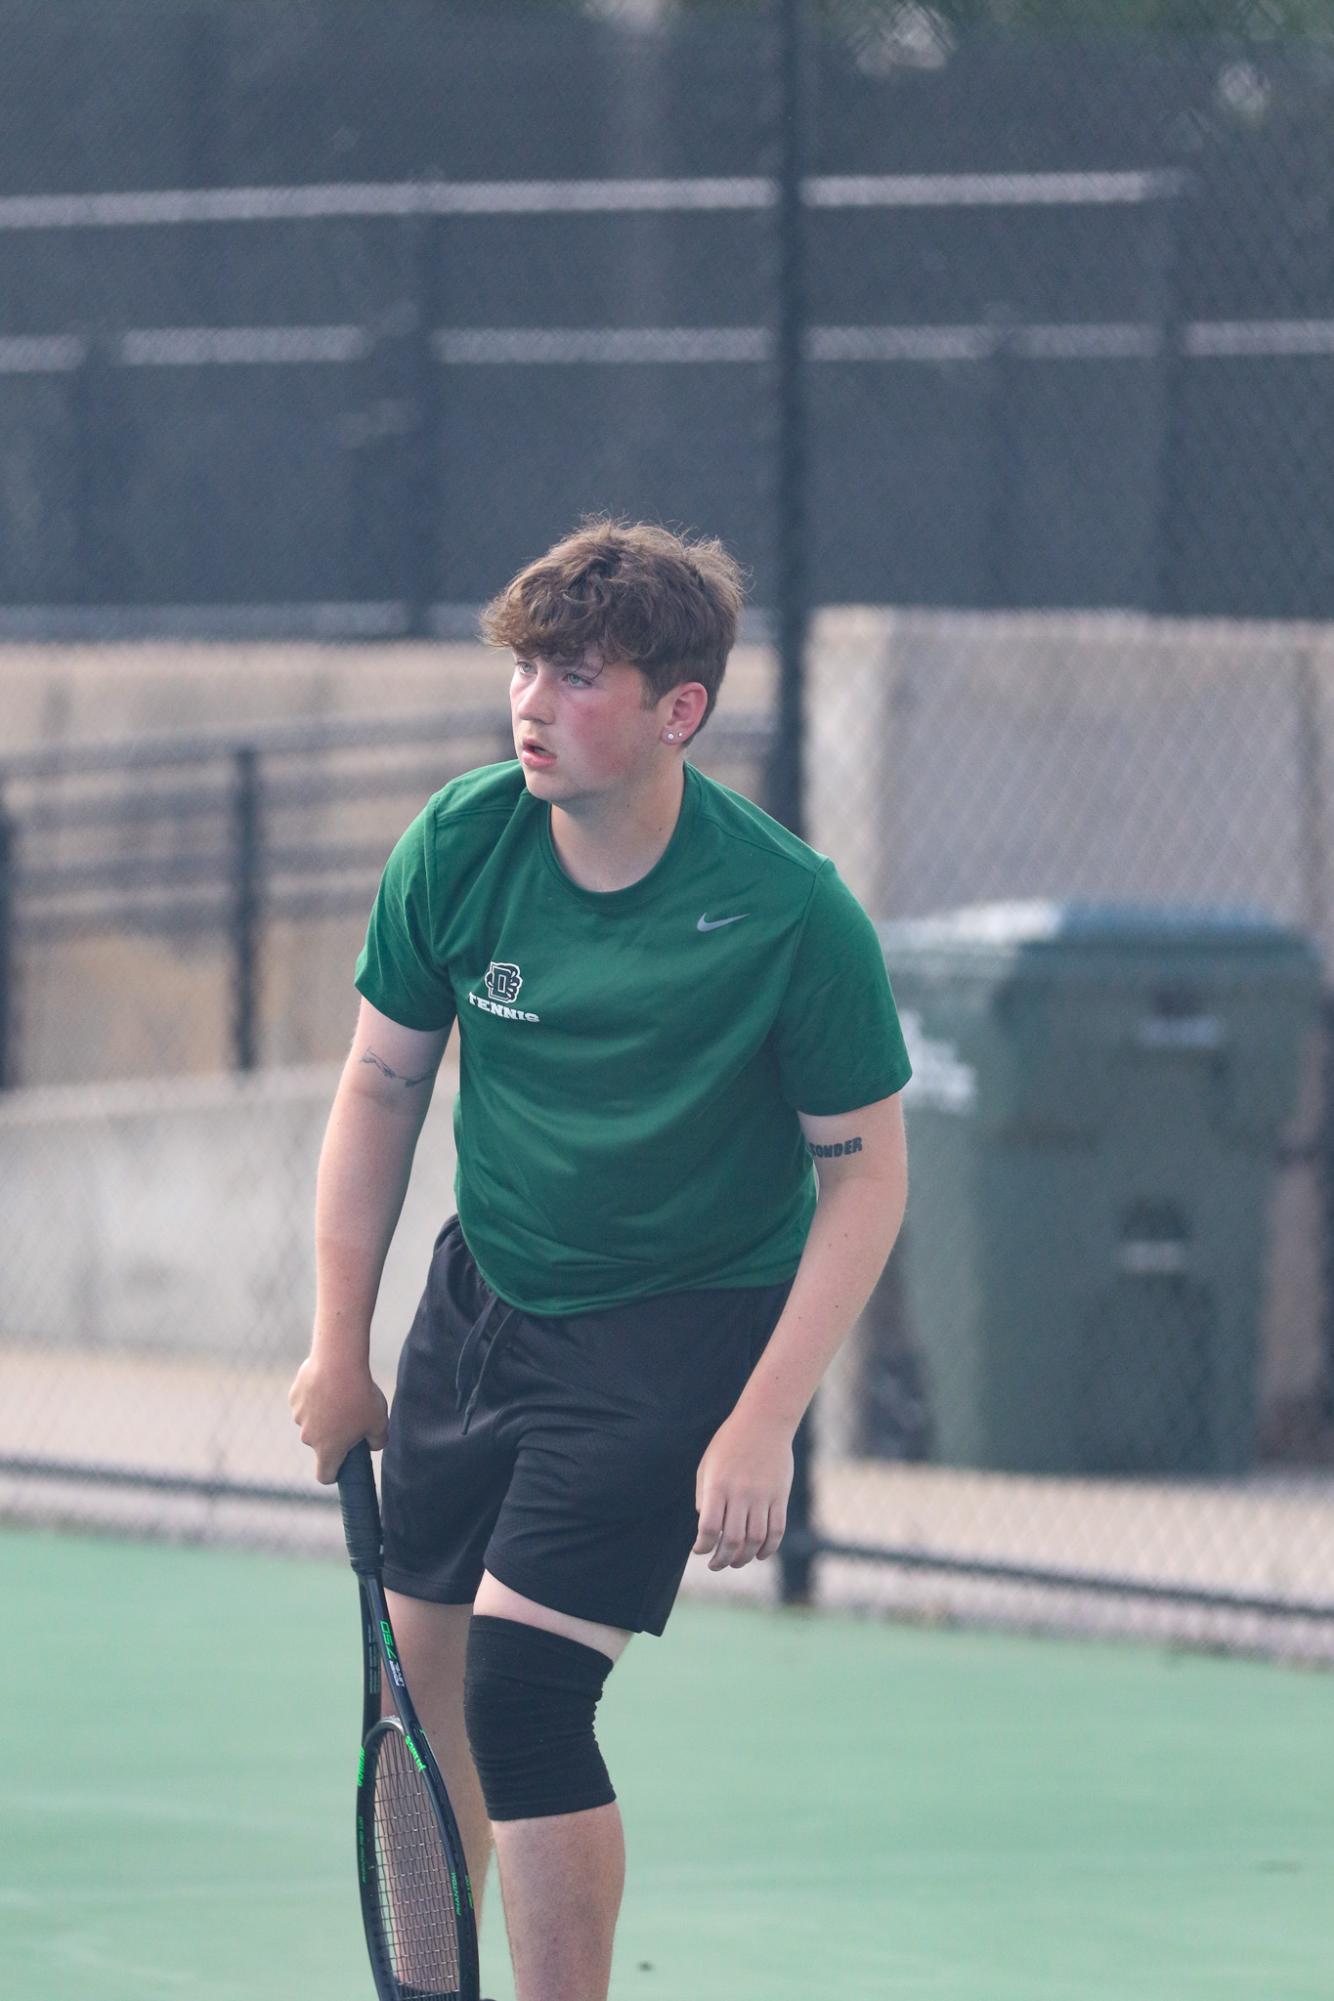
632 1062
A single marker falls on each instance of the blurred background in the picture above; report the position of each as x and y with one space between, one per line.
996 339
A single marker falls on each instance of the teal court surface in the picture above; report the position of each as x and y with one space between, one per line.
815 1805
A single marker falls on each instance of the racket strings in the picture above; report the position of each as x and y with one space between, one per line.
414 1883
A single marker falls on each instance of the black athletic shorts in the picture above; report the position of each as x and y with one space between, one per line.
559 1452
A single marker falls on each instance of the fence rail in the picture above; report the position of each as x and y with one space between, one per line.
92 842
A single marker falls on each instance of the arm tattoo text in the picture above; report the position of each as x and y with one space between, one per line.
408 1083
836 1151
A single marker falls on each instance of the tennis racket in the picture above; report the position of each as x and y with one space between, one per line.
416 1899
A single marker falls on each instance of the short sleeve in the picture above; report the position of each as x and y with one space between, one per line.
397 972
837 1038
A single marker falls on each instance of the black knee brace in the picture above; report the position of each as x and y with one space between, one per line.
528 1701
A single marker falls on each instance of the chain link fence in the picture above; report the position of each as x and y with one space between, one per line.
307 384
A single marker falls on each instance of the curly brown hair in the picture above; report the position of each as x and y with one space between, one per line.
635 593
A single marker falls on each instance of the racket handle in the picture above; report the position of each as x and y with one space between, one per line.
361 1510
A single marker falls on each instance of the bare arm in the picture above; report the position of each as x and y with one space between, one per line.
861 1159
744 1480
365 1165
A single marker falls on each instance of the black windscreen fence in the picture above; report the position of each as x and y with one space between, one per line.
328 316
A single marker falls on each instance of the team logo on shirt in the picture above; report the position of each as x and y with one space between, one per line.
502 981
502 985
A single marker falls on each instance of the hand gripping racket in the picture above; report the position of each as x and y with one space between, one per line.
416 1899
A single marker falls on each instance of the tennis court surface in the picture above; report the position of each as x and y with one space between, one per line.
814 1805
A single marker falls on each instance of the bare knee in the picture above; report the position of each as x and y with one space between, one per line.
497 1601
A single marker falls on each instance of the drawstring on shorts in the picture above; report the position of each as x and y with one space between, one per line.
476 1333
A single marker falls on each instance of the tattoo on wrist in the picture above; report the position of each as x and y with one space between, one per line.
840 1147
408 1083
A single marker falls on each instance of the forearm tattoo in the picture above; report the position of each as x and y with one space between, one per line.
837 1150
408 1083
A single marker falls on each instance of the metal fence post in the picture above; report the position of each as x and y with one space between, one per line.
1001 445
791 83
796 1553
1325 1144
790 65
99 577
422 440
8 953
246 913
1167 215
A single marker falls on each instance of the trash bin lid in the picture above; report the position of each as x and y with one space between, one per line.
1008 931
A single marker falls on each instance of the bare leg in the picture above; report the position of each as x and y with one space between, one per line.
562 1879
562 1875
433 1647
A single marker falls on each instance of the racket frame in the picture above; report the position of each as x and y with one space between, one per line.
380 1667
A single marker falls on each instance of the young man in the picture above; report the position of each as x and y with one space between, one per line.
666 1005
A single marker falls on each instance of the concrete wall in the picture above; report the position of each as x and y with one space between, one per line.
955 758
175 1220
950 759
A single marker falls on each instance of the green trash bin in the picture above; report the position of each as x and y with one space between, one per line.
1092 1120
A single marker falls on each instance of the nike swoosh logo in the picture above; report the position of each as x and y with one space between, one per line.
718 922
